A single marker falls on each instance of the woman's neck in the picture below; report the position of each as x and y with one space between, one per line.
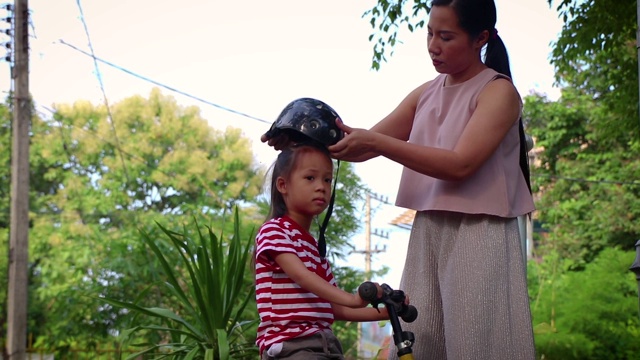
468 73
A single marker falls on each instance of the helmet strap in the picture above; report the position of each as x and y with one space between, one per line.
322 243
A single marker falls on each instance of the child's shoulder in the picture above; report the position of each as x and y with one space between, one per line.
281 222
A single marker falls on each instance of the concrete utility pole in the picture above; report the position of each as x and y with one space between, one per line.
368 251
19 225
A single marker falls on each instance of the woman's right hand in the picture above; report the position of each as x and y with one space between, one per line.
276 139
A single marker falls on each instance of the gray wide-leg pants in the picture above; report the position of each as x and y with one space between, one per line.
466 276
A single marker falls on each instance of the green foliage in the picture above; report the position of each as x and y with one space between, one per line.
589 314
596 54
206 320
586 172
96 180
386 19
344 222
587 194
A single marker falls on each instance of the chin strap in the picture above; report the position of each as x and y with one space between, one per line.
322 243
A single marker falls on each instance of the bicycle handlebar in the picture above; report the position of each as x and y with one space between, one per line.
396 298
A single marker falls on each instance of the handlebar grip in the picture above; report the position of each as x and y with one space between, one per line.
368 291
410 314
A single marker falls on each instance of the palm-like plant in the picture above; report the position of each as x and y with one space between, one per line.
211 298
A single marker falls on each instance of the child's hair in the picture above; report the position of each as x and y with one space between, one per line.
282 167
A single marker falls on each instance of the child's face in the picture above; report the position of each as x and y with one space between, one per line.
307 191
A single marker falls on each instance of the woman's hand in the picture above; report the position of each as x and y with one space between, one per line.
356 146
276 139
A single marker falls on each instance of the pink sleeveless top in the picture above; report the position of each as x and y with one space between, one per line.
496 188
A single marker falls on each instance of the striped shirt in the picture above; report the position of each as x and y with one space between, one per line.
286 310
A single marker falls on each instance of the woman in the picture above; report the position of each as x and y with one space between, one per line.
460 140
459 137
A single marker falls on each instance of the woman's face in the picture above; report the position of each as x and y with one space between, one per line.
450 48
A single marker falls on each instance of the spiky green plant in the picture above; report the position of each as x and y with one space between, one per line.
211 297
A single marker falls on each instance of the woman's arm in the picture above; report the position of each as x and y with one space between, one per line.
399 122
497 110
396 125
310 281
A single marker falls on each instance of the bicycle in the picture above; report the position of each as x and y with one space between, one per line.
394 302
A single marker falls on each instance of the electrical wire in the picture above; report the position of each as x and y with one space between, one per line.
613 182
163 85
104 93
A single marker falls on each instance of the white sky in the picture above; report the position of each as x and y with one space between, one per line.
255 56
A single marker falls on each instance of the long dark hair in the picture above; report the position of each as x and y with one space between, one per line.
474 17
282 167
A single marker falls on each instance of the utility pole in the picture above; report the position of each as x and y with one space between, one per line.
367 232
368 251
19 223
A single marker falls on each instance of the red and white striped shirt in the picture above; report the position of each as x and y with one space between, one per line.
286 310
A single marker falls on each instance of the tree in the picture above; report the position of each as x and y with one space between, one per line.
102 176
585 177
387 18
596 54
590 314
586 173
99 176
587 194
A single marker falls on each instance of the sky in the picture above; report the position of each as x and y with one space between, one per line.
254 57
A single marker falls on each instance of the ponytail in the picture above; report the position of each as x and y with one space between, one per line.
497 58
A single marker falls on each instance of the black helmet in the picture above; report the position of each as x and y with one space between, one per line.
310 117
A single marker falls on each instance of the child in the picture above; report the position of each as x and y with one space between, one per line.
296 292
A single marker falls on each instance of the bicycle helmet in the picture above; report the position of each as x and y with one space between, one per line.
308 118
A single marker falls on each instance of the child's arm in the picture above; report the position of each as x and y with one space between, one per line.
359 315
310 281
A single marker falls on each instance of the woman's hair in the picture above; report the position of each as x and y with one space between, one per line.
282 167
475 16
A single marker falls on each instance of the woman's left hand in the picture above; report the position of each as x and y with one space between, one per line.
355 146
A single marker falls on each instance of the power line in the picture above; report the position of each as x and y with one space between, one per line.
104 93
163 85
602 181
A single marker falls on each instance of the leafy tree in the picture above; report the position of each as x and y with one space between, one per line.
590 314
387 18
588 197
585 176
596 54
98 176
592 191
